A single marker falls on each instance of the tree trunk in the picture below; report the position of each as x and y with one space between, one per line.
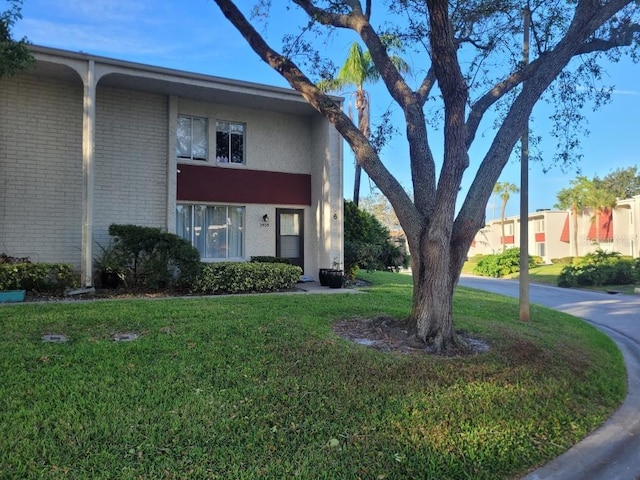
435 276
362 106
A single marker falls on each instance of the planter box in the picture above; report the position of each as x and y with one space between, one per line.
335 279
12 296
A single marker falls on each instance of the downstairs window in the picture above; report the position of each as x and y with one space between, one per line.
217 231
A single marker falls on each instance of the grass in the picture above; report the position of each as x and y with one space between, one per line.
548 274
259 387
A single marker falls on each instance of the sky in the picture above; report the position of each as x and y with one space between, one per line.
195 37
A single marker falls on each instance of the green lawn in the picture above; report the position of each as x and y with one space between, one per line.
548 274
258 386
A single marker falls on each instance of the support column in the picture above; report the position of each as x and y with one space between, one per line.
88 164
172 162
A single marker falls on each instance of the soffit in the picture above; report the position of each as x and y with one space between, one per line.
66 66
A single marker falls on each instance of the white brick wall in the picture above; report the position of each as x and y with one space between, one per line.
131 160
275 142
41 179
41 169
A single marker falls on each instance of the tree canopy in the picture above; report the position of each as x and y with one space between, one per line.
469 55
14 55
621 183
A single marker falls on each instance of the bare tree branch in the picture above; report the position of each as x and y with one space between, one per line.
364 152
324 16
622 37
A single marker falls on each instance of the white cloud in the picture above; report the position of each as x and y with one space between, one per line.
634 93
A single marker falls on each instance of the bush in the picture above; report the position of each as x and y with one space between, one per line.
241 277
52 278
562 260
270 259
499 265
368 244
537 260
599 268
153 258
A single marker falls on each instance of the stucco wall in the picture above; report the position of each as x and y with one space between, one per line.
41 169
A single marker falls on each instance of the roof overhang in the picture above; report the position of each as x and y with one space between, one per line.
62 64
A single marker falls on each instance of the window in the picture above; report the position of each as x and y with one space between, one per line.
508 229
217 231
540 226
540 249
229 142
192 138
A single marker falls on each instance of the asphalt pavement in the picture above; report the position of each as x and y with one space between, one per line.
612 452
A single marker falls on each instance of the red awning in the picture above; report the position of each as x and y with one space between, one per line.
605 229
564 236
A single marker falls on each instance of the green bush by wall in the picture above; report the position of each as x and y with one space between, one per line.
245 277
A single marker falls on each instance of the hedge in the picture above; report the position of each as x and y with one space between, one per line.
600 268
501 264
52 278
245 277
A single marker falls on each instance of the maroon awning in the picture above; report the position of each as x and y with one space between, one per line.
605 227
564 236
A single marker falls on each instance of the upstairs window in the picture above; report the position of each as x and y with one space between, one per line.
230 142
192 138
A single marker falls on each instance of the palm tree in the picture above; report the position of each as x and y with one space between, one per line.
357 70
575 199
504 189
600 200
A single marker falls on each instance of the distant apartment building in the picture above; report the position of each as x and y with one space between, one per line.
556 233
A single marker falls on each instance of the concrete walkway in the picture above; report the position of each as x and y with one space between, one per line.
612 452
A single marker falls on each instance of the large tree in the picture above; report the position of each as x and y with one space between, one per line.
622 182
14 54
468 51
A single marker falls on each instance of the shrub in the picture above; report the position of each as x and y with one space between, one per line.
499 265
562 260
599 268
537 260
245 277
368 244
270 259
53 278
155 259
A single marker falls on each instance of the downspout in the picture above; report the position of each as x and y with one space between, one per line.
88 174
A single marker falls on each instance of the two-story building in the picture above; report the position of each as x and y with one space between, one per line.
557 234
237 168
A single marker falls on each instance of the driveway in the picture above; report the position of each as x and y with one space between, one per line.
613 451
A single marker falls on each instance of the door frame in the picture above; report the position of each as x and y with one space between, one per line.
299 211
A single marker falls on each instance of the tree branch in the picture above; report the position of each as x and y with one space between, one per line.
538 75
586 19
621 37
365 154
426 86
324 16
